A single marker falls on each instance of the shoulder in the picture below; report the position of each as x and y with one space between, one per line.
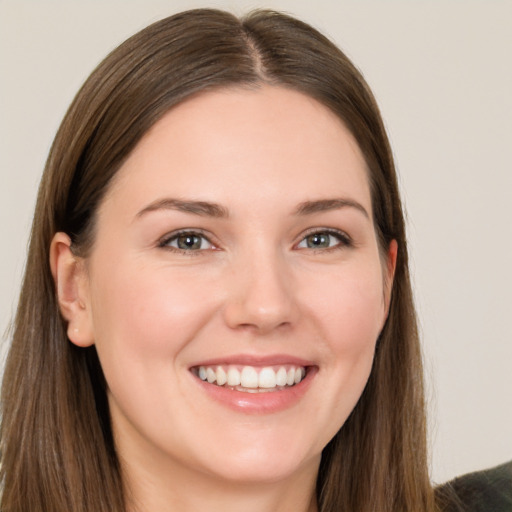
482 491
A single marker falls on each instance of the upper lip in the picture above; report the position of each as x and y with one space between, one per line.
255 360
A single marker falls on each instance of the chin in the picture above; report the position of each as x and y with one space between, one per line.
262 460
269 470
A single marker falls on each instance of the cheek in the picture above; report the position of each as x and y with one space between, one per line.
355 323
142 323
350 308
350 314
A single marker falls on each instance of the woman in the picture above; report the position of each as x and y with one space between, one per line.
216 307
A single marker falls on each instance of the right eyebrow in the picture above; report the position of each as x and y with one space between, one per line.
202 208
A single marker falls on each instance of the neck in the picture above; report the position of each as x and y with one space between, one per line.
154 490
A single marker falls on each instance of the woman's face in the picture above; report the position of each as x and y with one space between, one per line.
236 244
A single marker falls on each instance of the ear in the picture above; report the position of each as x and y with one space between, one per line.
71 283
389 276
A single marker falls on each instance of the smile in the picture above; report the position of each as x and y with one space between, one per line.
251 379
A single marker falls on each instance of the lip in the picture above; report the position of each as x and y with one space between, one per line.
257 403
255 360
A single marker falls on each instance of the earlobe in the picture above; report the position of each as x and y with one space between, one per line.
72 290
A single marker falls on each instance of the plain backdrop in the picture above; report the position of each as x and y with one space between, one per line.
442 73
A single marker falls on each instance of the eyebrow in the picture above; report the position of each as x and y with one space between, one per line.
202 208
208 209
322 205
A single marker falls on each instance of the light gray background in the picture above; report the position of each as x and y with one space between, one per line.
442 73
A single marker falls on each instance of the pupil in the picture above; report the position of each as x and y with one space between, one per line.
318 240
189 242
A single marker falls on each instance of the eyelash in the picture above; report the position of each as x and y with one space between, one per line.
343 241
167 239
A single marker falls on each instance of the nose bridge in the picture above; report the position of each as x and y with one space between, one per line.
261 290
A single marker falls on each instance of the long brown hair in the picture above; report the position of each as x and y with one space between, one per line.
57 450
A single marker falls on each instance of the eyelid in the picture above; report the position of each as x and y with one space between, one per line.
344 239
168 237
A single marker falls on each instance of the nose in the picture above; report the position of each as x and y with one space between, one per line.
261 295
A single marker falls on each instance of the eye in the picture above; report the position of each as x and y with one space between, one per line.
187 241
326 239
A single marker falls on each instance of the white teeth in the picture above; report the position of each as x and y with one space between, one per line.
222 378
233 377
210 375
267 378
252 378
249 377
281 377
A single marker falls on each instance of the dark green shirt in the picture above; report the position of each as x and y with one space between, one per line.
483 491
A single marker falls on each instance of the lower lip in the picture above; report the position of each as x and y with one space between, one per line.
260 402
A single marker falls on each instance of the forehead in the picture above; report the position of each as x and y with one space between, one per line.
256 143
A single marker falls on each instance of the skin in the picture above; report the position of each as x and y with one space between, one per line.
254 287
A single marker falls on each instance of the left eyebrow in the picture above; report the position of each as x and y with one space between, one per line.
322 205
